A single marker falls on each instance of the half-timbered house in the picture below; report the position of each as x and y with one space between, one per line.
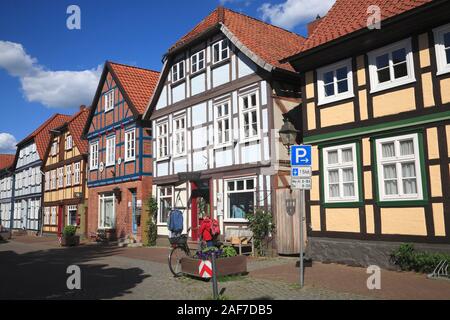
376 108
221 94
6 188
120 152
65 186
26 206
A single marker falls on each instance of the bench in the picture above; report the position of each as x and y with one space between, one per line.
240 238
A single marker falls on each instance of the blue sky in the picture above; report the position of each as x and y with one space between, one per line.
47 68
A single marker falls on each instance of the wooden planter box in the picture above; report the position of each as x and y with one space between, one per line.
70 241
225 266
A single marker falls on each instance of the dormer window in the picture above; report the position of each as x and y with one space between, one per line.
442 45
335 82
221 51
178 71
198 61
109 100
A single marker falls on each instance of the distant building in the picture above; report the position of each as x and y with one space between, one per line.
6 188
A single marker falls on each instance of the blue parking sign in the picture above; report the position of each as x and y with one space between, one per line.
301 156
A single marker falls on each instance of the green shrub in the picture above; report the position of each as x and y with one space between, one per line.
410 260
260 223
228 252
69 231
152 228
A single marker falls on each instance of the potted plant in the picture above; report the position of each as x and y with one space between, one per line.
69 237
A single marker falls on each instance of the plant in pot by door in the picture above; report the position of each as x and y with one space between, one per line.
69 238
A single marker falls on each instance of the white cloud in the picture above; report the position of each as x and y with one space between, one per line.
7 143
294 12
54 89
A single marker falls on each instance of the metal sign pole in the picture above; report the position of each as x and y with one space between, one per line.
302 210
214 277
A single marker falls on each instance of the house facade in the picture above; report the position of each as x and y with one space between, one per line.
27 202
120 152
220 96
6 188
65 186
376 108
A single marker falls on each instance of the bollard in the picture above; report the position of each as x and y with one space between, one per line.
214 276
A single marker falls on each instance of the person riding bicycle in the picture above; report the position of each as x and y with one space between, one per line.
209 231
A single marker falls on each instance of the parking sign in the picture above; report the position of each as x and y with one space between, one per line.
301 156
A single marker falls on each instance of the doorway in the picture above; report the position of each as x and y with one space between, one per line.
200 205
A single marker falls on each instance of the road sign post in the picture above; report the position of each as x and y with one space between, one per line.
301 161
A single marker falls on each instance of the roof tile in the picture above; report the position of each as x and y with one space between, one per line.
6 161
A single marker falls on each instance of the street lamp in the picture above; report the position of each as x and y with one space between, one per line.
288 134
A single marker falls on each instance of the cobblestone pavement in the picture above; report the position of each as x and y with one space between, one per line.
38 271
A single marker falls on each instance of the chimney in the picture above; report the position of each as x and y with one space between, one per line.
82 107
313 25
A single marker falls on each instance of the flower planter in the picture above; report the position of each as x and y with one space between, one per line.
225 266
72 241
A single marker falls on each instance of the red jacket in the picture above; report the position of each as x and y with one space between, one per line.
205 229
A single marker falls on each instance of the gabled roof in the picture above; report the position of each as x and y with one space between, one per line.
136 84
42 134
263 40
348 16
6 161
76 126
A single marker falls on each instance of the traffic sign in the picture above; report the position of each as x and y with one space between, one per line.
301 156
301 172
301 183
205 269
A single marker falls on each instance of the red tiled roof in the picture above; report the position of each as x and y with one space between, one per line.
6 160
76 127
268 42
138 83
42 134
348 16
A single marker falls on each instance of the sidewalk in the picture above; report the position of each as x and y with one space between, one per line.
344 279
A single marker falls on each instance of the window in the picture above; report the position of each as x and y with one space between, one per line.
60 177
53 217
240 197
179 135
110 151
221 51
222 123
47 181
130 145
69 142
340 174
53 180
33 176
198 61
399 168
335 82
178 71
109 100
94 156
69 175
165 203
391 66
77 173
442 46
107 214
249 108
162 140
72 215
54 150
47 216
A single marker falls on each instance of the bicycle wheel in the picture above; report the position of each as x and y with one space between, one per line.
175 257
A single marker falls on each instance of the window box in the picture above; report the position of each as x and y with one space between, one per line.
335 82
391 66
442 46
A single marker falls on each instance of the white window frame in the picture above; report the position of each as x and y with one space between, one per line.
443 66
222 49
323 99
102 198
398 160
109 100
53 216
179 133
71 209
176 71
375 86
54 150
93 156
46 216
68 175
77 173
162 140
69 142
222 119
227 192
110 151
130 145
164 196
249 110
195 66
340 166
60 174
53 180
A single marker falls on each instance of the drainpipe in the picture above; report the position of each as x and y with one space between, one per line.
13 195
